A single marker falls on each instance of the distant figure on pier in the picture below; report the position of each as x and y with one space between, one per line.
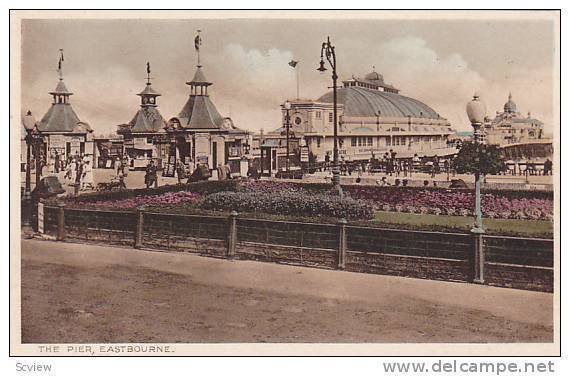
150 176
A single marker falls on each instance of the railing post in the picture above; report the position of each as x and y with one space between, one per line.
140 227
60 221
342 244
478 256
232 235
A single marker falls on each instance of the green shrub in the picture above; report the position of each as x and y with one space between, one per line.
213 186
202 187
289 203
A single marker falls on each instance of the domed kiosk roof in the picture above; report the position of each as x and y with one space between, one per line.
364 102
510 106
374 76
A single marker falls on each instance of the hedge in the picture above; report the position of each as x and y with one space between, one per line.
289 203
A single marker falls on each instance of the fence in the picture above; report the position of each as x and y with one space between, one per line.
523 263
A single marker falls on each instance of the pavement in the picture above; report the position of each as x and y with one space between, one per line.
135 179
256 296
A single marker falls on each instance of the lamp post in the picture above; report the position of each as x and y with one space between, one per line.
378 115
328 53
287 107
476 112
29 123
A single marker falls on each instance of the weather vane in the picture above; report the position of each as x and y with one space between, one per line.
59 65
197 44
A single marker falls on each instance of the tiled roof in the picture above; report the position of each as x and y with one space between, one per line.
61 89
148 90
199 77
147 119
200 113
59 118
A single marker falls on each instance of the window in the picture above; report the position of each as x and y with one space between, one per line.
330 117
318 114
369 143
353 141
318 142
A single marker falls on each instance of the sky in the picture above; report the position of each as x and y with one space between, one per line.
439 62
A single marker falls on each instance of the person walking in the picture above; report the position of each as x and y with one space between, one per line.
87 182
56 162
78 176
118 166
72 171
180 172
151 177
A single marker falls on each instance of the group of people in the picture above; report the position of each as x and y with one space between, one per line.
78 172
390 165
529 168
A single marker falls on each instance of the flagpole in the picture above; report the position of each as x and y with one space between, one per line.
297 69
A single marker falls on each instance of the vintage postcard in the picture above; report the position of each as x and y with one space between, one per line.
285 183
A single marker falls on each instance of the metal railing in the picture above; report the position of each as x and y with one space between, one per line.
425 254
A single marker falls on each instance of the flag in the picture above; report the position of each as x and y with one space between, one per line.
197 42
147 67
293 63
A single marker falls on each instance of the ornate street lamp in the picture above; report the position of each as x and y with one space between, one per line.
30 124
476 112
287 107
328 53
378 115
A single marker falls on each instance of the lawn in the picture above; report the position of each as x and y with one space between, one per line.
527 228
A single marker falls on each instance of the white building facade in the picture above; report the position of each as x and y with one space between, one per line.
373 118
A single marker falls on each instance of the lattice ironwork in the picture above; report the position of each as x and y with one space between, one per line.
519 251
109 226
173 231
410 243
308 235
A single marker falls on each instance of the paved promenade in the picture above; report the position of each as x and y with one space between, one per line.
89 293
135 179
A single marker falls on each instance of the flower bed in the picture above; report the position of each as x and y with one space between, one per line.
289 203
166 199
303 199
449 202
533 205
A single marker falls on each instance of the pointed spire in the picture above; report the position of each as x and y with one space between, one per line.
199 84
60 94
148 95
510 96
